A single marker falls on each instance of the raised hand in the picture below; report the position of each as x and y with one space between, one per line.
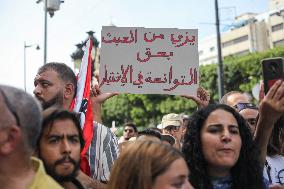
270 109
202 99
97 99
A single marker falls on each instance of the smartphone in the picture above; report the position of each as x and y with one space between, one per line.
272 70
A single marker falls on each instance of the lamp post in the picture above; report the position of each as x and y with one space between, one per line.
50 6
79 53
220 61
25 69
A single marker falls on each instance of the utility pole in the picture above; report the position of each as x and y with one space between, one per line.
220 61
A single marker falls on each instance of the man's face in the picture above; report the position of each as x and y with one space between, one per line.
49 89
175 131
59 149
128 132
250 116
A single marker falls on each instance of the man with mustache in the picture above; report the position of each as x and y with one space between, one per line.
59 146
56 86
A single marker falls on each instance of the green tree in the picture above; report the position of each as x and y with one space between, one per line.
240 73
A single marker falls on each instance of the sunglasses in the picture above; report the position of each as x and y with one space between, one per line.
172 128
128 130
10 107
242 106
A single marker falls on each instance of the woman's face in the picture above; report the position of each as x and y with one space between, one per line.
221 142
176 177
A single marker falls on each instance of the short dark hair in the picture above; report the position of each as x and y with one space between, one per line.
150 132
62 115
64 72
130 124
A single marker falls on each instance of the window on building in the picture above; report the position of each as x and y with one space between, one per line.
273 14
235 41
212 49
278 43
277 27
200 52
228 43
241 53
241 39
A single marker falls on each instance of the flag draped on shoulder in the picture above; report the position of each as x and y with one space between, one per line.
82 104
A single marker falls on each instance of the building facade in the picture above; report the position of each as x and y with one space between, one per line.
251 33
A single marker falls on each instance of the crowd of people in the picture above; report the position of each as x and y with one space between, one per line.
227 145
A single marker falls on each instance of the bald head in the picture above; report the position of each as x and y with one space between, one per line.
234 97
21 109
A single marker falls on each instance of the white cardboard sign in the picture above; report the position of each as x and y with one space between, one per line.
149 60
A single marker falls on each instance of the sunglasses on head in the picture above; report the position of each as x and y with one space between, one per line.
10 107
172 128
242 106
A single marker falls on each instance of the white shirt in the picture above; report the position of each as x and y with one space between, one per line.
274 169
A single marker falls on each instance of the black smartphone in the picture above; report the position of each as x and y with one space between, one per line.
272 70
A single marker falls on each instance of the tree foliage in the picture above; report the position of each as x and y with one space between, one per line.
240 73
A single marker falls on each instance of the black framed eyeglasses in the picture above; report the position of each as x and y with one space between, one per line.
10 107
242 106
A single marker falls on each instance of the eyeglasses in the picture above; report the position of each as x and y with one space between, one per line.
242 106
129 130
10 107
172 128
252 121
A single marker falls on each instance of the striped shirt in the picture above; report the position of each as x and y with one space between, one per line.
102 152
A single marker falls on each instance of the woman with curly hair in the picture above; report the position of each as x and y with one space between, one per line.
220 151
149 165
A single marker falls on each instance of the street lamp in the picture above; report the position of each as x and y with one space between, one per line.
50 6
27 46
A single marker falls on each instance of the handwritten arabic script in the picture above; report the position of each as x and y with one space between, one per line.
126 77
149 60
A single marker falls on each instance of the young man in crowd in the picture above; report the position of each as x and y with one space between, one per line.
129 131
56 85
20 125
59 146
250 113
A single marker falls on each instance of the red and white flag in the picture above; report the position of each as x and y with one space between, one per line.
82 104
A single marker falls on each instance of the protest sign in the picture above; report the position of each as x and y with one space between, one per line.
149 60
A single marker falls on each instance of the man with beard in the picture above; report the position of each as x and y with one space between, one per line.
56 85
59 146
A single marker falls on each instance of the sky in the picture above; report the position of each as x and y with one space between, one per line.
23 21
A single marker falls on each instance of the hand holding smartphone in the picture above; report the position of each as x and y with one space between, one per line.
272 70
